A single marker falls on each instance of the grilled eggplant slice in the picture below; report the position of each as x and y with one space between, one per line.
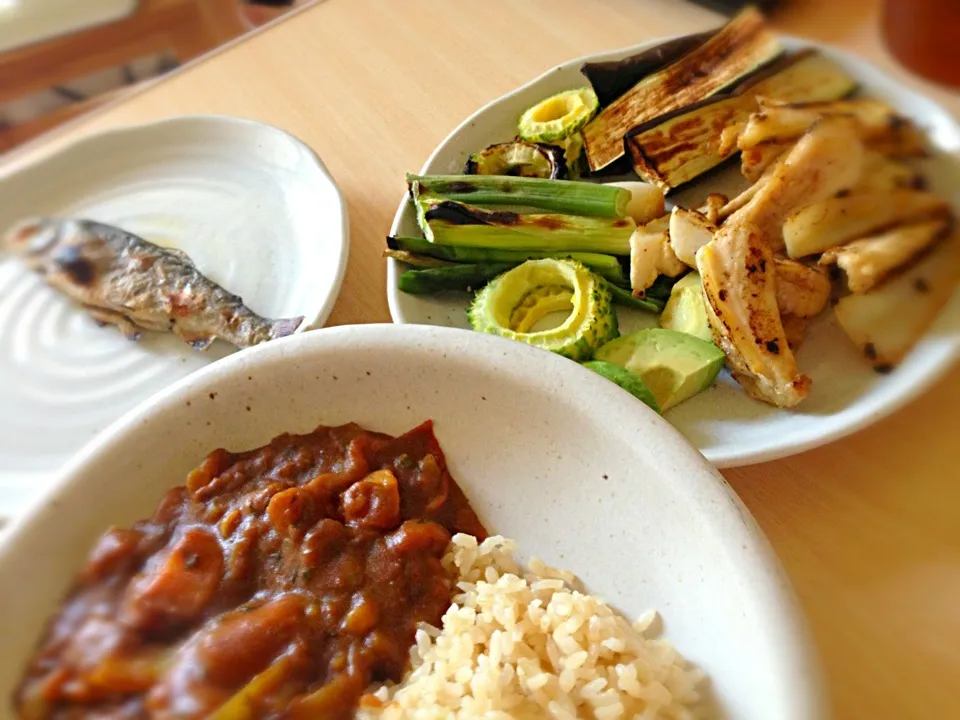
742 46
519 159
677 148
612 78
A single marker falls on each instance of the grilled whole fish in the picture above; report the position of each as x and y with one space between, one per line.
121 279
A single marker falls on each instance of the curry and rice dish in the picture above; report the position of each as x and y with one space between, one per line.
336 574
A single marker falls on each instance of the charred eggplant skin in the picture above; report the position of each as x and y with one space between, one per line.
612 78
679 146
519 158
736 51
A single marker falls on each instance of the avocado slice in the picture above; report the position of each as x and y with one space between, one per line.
674 365
686 310
631 382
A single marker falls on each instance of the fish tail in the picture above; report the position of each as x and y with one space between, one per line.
285 326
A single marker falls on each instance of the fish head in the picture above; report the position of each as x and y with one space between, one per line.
32 239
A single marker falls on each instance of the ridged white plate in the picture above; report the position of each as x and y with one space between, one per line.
728 427
545 451
253 206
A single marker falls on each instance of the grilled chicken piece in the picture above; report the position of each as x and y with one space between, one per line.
731 206
827 160
739 282
868 262
826 224
883 173
754 162
802 291
887 323
878 125
738 267
651 255
689 231
795 328
712 206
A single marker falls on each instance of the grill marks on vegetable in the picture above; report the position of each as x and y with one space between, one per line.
740 47
457 214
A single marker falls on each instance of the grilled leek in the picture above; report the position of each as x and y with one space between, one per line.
607 266
562 196
675 149
464 278
742 46
627 299
448 222
646 201
414 260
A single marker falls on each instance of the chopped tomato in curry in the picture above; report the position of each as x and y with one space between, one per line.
278 583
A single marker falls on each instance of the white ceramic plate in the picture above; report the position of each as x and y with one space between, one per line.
254 208
546 452
728 427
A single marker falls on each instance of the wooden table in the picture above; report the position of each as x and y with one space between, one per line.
868 529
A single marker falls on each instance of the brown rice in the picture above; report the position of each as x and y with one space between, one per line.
527 642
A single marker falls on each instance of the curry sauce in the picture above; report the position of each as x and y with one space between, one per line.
277 583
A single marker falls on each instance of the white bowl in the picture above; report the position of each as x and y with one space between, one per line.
729 427
547 452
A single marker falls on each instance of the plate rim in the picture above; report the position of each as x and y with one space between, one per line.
340 237
880 408
806 688
342 247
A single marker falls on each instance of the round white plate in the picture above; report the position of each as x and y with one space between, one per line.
546 452
728 427
252 206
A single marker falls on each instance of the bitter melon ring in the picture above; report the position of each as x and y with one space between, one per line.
511 304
